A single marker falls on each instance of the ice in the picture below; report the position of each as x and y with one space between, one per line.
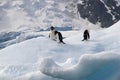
43 59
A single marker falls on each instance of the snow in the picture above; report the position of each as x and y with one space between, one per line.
108 10
118 4
24 15
43 59
89 67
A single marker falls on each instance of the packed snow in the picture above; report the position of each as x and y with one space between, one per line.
43 59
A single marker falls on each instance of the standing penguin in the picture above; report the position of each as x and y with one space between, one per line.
55 35
86 35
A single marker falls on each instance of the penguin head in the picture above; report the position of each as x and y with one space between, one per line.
52 28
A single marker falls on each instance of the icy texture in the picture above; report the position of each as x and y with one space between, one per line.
43 59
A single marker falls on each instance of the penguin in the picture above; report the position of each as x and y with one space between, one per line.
55 35
86 35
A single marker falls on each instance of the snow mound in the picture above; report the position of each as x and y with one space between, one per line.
103 66
49 67
43 59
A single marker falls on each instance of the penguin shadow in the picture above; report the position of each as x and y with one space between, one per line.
90 40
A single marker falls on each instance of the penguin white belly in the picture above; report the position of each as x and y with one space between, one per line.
52 36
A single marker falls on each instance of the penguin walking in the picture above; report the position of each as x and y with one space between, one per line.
55 35
86 35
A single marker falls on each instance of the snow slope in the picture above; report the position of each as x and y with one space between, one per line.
43 59
25 15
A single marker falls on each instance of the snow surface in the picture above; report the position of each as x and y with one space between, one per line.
43 59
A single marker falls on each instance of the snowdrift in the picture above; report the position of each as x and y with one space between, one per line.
103 66
43 59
